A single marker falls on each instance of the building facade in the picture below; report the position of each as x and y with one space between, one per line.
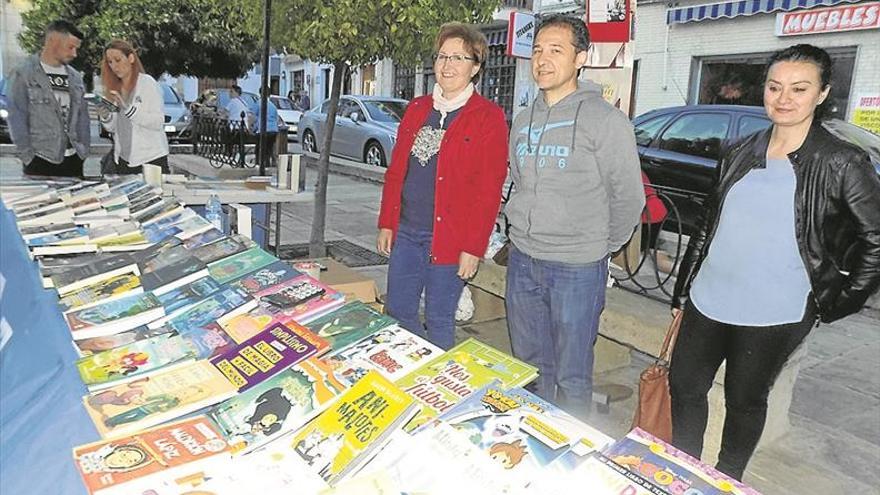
693 52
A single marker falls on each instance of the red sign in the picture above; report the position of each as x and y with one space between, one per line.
829 20
609 20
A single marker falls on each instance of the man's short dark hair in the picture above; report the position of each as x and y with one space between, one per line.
236 89
579 32
63 27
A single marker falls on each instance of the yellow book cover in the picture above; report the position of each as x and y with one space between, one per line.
155 399
359 423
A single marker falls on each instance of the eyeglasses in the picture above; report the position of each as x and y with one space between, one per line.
440 58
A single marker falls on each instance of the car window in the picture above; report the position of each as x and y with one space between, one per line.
169 96
385 111
345 108
854 134
647 130
324 107
750 125
699 134
282 103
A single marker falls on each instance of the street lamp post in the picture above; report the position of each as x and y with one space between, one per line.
264 89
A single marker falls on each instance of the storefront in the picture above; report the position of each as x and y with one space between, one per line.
715 53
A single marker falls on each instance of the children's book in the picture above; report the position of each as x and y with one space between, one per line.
262 356
94 345
348 324
519 430
392 351
451 377
187 295
276 406
302 298
240 264
208 341
356 426
257 282
217 250
85 275
114 316
101 292
126 363
217 307
127 408
176 450
639 457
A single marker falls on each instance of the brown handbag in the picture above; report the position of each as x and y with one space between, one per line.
654 410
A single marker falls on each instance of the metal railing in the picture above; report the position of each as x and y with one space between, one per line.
223 142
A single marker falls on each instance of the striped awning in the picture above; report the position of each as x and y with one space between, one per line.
496 37
736 8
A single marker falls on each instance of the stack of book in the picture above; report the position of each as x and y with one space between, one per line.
287 386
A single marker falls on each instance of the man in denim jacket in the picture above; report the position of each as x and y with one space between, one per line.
48 116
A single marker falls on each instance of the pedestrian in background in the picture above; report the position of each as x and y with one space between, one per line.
577 197
443 188
138 122
790 236
236 109
48 115
271 128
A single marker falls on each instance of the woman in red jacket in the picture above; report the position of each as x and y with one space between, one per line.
443 188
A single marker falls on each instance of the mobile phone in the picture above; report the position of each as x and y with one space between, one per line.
101 101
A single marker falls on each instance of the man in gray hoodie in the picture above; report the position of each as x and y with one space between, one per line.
577 197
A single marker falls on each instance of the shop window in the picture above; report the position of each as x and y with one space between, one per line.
648 130
699 134
404 82
739 79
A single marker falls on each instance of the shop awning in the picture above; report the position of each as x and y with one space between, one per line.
497 37
736 8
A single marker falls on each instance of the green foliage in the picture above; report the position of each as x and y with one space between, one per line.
359 32
203 38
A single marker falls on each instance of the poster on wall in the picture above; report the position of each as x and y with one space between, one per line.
866 113
610 65
609 20
520 35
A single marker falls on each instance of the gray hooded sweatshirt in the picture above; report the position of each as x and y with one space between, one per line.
578 191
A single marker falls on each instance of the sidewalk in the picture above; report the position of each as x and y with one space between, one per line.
834 444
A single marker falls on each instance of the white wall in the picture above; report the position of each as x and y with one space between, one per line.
741 35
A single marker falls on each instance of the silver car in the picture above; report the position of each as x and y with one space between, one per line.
366 128
177 116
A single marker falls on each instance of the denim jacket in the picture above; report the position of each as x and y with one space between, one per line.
35 115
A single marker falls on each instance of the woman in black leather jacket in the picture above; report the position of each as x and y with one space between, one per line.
790 236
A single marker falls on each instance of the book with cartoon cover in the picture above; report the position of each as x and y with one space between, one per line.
348 324
639 455
114 316
208 341
241 264
392 351
451 377
176 450
276 406
151 400
262 356
126 363
258 281
103 291
94 345
356 426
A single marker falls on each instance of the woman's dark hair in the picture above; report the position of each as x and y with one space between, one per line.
813 55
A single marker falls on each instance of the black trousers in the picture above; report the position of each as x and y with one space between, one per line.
755 356
72 166
122 167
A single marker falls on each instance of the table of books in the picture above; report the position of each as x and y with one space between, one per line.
168 358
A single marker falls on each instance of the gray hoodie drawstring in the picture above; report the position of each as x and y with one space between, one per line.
575 126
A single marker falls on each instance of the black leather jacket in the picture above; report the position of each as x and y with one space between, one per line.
837 218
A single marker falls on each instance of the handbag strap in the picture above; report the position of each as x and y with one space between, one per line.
669 341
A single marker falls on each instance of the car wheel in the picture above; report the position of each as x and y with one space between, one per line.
374 154
308 142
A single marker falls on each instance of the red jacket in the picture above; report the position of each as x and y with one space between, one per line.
471 168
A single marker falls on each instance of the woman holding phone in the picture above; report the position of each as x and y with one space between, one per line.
139 119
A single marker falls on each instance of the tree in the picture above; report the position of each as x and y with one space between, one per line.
351 33
202 38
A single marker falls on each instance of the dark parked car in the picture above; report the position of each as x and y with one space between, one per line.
679 148
366 128
4 113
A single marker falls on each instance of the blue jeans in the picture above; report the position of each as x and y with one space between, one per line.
410 272
553 313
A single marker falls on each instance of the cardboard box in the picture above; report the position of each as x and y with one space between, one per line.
352 284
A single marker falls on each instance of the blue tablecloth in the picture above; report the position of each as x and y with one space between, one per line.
41 412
